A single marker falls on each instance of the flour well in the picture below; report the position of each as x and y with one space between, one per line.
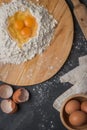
9 51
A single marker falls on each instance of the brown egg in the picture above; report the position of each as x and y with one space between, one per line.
78 118
84 106
8 106
72 106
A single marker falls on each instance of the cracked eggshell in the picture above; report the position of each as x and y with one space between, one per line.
21 95
6 91
8 106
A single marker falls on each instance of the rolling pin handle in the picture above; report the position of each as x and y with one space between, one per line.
75 2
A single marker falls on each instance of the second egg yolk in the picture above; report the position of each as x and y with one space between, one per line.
26 32
29 21
19 24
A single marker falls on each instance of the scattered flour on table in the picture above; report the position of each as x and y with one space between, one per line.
9 51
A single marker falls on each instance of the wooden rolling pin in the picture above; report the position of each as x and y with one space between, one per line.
80 12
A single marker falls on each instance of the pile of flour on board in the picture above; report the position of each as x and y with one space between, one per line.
9 51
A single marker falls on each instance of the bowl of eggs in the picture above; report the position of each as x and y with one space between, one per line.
73 112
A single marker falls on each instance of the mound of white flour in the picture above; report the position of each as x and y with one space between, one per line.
9 51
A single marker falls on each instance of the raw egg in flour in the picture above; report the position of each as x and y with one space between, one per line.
22 26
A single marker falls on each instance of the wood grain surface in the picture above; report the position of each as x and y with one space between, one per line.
80 11
44 66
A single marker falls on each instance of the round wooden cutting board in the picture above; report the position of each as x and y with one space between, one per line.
44 66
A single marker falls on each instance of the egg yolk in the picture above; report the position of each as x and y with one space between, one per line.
26 32
19 24
29 21
22 26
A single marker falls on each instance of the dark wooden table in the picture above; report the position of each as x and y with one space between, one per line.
38 113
